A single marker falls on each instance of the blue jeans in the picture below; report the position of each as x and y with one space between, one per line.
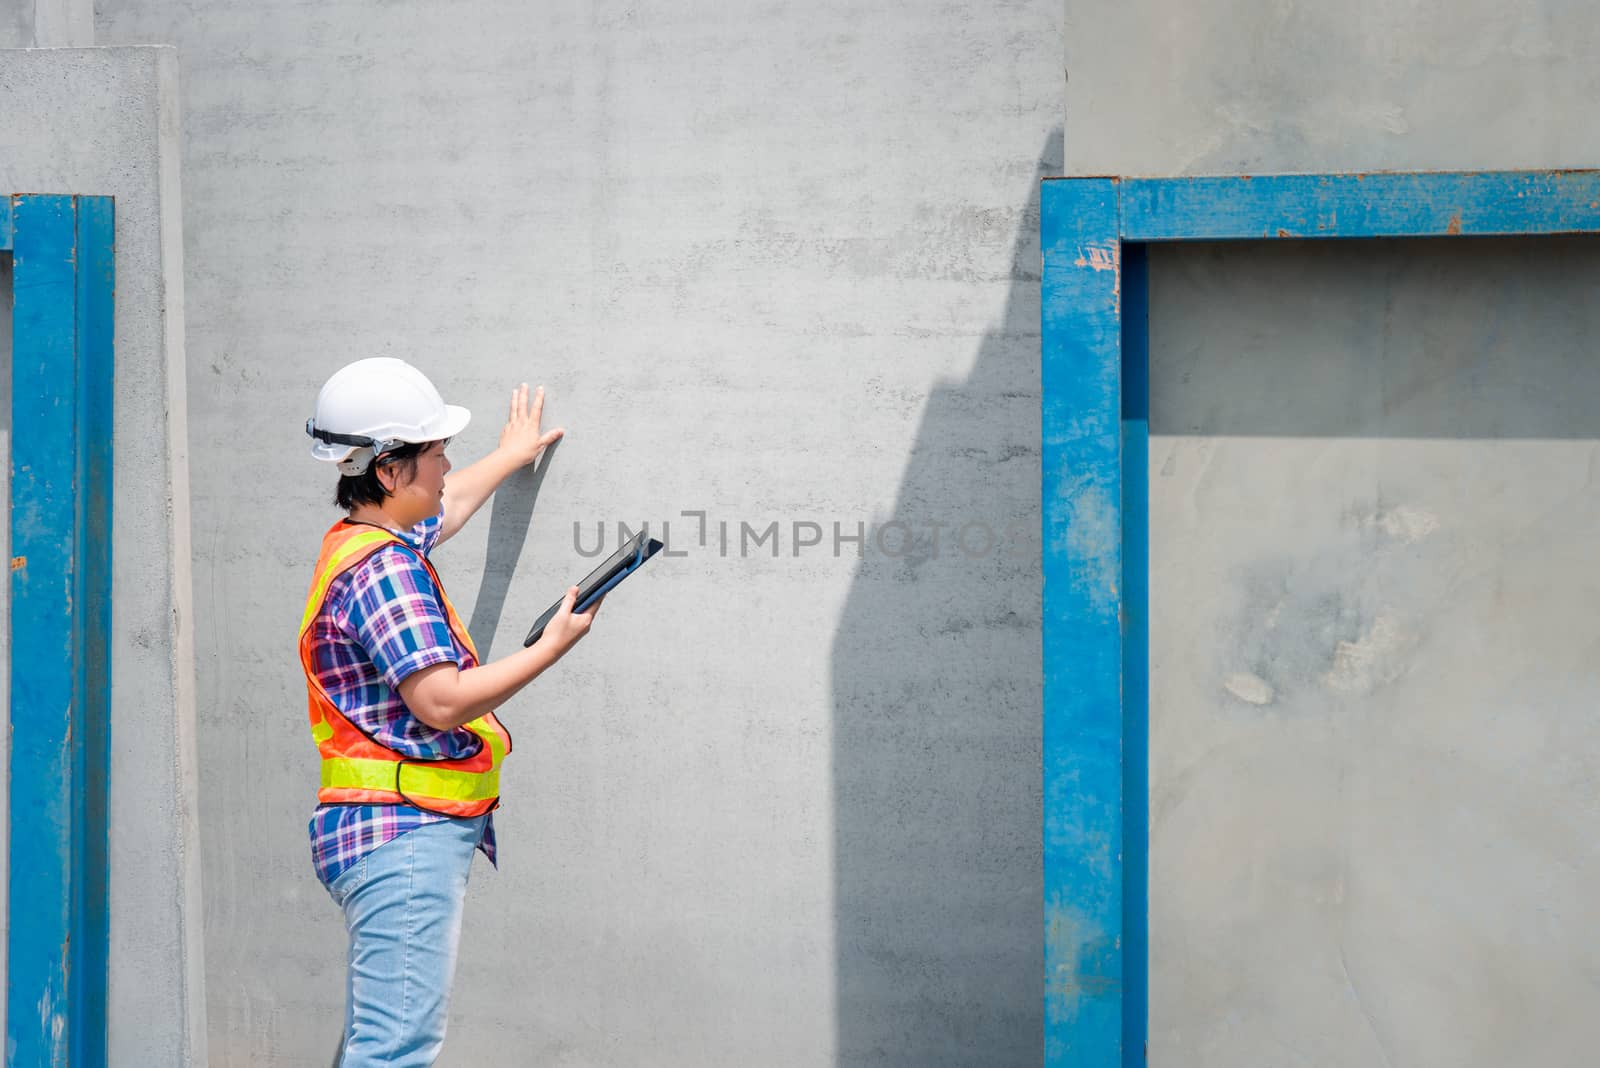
402 905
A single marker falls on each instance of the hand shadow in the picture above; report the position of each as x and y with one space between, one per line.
508 532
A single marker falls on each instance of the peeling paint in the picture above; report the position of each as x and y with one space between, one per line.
1080 955
1094 543
1373 659
53 1023
1250 688
1404 523
1107 257
1099 257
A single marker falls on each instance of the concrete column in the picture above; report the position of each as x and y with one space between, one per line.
105 121
63 23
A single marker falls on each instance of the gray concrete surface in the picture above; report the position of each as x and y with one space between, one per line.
63 23
1231 86
1374 830
104 122
46 23
1373 816
773 264
16 24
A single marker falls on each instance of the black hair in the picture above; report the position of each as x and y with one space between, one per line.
365 487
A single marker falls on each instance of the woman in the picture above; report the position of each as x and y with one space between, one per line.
401 709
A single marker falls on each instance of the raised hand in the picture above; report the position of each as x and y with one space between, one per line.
521 437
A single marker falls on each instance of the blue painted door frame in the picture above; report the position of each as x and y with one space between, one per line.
1094 497
62 380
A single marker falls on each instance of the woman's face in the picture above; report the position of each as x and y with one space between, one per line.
422 497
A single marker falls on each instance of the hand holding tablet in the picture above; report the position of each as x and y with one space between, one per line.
618 566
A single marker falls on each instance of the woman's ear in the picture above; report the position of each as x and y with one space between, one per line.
386 477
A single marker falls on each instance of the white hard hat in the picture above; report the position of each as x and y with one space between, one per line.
374 406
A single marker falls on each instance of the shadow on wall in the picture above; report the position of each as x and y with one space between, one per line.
1378 339
937 689
508 533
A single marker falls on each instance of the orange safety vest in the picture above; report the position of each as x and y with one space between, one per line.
357 769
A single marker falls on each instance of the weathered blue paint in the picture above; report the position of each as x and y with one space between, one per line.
1360 205
60 617
5 224
44 660
1135 650
1082 536
1095 517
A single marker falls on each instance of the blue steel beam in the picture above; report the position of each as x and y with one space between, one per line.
1444 204
44 649
1082 562
62 390
5 224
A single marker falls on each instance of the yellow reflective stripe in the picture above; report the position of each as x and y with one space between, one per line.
418 780
491 738
355 545
321 731
449 785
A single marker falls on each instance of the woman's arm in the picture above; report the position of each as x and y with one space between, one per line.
444 697
520 444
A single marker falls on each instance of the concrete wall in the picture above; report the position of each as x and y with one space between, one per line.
16 25
773 263
1232 86
1373 830
104 122
1372 821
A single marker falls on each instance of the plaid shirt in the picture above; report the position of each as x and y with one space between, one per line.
380 622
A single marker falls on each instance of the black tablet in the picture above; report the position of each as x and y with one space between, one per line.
618 566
